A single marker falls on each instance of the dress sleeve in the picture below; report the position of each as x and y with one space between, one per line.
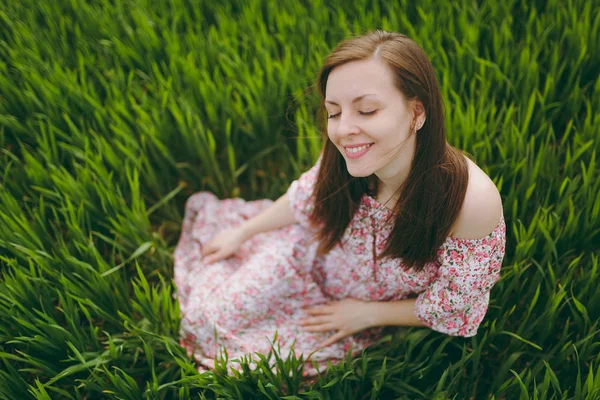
300 194
457 300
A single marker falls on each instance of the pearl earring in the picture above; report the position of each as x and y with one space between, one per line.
419 125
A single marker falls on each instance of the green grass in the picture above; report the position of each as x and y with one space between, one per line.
113 112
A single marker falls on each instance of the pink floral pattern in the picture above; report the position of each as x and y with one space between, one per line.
240 303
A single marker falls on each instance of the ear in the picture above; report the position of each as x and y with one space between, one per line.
419 115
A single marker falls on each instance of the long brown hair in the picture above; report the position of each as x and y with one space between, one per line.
432 194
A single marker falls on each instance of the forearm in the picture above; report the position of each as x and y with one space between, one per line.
393 313
276 216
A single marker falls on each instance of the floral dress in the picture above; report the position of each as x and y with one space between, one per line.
241 302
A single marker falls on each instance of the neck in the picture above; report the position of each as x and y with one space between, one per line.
391 177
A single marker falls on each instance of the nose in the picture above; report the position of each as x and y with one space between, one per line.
347 125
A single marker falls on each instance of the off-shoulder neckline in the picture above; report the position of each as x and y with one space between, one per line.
499 226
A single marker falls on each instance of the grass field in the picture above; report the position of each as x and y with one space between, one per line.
112 112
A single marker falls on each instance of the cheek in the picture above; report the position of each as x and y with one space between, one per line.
380 128
391 128
331 131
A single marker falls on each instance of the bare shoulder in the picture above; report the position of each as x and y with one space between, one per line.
482 208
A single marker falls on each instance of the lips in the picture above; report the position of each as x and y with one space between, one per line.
357 150
354 150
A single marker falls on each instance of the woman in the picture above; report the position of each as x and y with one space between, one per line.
391 227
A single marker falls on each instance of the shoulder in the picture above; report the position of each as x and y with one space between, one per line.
482 208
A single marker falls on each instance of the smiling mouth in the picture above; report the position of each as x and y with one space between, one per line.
355 150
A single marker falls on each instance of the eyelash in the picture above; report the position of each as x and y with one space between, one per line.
360 112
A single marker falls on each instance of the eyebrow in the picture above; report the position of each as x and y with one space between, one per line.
355 100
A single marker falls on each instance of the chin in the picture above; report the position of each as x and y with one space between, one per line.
361 168
360 172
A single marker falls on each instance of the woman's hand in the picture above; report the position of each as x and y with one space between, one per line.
346 316
223 245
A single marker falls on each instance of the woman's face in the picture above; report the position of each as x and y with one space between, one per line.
369 119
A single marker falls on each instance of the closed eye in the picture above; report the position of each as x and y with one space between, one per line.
330 116
367 112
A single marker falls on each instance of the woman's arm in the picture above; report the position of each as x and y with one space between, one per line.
226 243
276 216
349 316
395 313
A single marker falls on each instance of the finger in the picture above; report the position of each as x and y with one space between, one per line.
318 310
217 256
319 328
313 321
208 260
208 248
338 336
